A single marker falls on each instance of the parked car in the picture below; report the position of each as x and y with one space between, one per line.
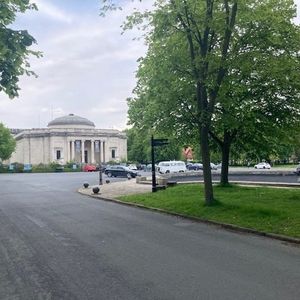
27 168
132 167
213 166
262 165
219 166
103 167
194 166
298 170
89 168
120 171
165 167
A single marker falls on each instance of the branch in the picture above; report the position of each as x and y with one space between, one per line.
230 22
190 40
216 138
197 34
208 18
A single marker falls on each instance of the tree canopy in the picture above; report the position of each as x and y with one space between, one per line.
14 46
225 70
258 100
7 143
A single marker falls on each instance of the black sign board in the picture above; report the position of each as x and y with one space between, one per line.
160 142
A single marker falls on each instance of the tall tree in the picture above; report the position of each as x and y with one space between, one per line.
7 143
206 27
224 69
14 46
259 98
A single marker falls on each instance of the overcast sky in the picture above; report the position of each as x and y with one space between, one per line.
88 67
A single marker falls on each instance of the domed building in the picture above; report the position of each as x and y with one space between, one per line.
69 138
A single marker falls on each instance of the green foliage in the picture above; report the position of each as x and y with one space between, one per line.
17 168
42 168
139 147
258 102
264 209
14 47
7 143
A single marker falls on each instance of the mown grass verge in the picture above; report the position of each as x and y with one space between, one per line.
272 210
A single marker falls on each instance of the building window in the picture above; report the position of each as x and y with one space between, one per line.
113 153
58 154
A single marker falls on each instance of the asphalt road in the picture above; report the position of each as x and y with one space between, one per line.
58 244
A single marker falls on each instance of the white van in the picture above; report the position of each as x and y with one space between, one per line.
165 167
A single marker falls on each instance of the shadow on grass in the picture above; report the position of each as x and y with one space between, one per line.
215 203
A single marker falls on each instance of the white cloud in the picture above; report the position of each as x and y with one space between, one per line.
49 10
87 68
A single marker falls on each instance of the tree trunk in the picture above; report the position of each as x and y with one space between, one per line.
225 147
225 160
208 189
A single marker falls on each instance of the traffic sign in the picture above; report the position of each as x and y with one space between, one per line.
160 142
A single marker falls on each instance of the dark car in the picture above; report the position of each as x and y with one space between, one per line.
103 167
194 166
120 171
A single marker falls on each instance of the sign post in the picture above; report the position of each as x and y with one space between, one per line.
154 143
97 150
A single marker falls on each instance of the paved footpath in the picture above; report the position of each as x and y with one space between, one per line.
116 189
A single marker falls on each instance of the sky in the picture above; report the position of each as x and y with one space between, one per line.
88 67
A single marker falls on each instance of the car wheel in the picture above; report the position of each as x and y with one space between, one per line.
167 172
109 174
128 175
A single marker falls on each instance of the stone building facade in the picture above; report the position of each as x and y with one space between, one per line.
69 139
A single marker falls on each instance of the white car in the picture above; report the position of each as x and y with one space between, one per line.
132 167
213 166
262 165
165 167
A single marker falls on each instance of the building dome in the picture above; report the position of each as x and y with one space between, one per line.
71 120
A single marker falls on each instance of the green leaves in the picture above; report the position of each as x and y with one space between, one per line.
7 143
14 47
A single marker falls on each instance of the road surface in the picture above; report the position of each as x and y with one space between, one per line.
58 244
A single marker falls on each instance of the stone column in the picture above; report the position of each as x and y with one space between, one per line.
103 153
68 151
73 150
82 151
51 150
92 151
100 152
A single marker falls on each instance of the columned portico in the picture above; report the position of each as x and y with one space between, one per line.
82 151
92 151
73 150
68 150
69 139
103 151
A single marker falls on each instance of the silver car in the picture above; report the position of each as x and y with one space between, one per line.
297 170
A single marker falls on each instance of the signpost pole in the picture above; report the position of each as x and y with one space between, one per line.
153 166
100 174
100 163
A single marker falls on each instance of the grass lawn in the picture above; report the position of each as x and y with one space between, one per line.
273 210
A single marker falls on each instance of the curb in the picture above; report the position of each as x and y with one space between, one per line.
242 183
251 183
226 226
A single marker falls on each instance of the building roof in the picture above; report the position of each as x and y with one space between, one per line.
71 119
